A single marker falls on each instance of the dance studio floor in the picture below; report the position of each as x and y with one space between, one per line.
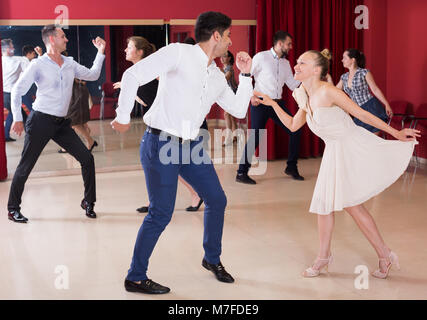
269 236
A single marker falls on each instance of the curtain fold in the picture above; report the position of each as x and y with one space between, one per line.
3 163
314 24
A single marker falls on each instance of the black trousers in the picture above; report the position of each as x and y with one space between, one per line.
40 128
259 116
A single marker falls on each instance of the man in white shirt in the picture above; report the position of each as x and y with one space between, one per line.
12 67
271 70
190 82
54 75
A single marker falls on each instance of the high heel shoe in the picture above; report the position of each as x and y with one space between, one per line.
311 272
95 144
394 261
191 208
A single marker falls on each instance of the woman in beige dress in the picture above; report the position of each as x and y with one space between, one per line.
356 163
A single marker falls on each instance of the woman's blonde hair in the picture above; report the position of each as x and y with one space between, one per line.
326 53
142 44
321 61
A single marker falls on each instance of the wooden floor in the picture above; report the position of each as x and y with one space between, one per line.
269 238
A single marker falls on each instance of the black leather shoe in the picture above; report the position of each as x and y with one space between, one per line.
219 271
191 208
88 207
16 216
143 209
146 286
294 173
244 178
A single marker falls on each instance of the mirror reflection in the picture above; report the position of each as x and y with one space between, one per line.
93 102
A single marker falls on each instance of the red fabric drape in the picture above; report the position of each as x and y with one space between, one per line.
3 163
119 36
314 24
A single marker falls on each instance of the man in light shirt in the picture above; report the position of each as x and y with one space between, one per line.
271 71
12 67
54 75
190 82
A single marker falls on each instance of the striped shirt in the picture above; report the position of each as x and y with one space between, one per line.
359 91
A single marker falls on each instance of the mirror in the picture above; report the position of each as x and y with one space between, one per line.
114 151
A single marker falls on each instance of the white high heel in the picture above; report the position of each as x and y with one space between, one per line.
311 272
394 261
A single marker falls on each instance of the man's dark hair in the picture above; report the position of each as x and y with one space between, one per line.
209 22
190 40
280 36
49 30
27 49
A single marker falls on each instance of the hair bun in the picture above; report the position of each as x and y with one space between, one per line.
326 53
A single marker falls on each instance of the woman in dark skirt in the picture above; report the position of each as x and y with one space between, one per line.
79 109
79 112
357 82
230 122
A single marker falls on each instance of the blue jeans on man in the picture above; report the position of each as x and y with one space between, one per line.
162 179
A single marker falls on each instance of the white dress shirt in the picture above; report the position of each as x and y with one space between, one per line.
188 87
25 64
54 84
12 67
271 73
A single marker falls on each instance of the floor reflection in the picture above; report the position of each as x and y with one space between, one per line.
115 151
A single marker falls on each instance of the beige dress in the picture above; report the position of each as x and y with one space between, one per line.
356 165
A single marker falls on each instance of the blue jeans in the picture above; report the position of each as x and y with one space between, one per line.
375 107
162 179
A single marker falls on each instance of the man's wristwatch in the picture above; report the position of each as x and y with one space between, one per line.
246 74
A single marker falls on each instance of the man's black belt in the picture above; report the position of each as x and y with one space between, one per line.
158 132
54 118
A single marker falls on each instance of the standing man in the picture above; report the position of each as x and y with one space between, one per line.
190 82
54 75
271 70
12 67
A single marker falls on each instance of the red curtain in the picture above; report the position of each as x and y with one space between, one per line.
314 24
3 163
119 36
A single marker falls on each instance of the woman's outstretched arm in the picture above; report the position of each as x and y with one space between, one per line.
339 98
292 123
